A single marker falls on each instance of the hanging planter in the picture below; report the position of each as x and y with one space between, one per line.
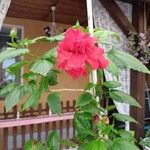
139 47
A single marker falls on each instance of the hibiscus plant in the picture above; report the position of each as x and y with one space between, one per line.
77 54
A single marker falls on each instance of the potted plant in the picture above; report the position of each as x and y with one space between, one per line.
77 54
145 142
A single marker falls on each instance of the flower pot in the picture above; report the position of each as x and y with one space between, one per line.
148 80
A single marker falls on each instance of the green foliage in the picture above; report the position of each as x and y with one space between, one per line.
16 68
124 60
53 142
123 117
33 145
12 52
145 142
112 84
32 100
122 97
121 144
97 145
113 69
84 99
7 89
54 102
41 66
103 36
83 125
94 129
14 97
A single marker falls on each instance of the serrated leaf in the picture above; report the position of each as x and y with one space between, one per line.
12 52
82 122
111 84
121 144
54 102
52 39
7 89
52 142
127 135
84 99
51 54
123 117
52 78
89 86
33 145
111 107
14 97
16 68
41 66
91 107
103 36
32 100
113 69
97 145
122 97
30 76
125 60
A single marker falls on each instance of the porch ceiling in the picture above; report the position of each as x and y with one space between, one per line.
67 11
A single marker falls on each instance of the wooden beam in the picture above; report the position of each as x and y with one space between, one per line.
138 79
117 14
9 123
148 34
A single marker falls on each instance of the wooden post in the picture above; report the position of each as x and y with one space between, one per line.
138 79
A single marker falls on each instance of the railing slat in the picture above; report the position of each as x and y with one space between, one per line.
14 138
39 126
5 139
23 133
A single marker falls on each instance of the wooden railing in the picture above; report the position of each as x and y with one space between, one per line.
68 106
35 124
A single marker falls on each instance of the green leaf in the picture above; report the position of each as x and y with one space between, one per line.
113 69
123 117
32 100
123 98
125 60
52 142
97 145
84 99
52 77
54 102
82 122
41 66
121 144
7 89
33 145
89 86
30 76
111 84
110 107
51 39
103 36
43 85
91 107
51 55
14 97
127 135
12 52
16 68
13 33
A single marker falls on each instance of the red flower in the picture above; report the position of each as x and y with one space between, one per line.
77 50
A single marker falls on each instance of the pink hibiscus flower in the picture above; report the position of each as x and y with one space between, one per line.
76 51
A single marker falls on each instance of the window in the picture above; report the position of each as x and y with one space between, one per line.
5 77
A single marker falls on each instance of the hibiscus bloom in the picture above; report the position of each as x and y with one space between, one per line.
76 51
